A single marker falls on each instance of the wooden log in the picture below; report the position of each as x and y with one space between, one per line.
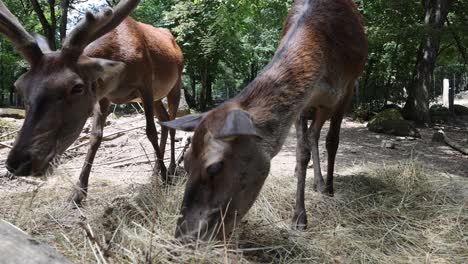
106 137
440 136
18 247
5 145
9 134
12 113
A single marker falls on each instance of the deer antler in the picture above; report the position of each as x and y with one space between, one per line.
93 27
24 42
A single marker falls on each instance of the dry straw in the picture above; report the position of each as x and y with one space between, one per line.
394 214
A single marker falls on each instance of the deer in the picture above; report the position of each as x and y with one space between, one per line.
107 58
322 51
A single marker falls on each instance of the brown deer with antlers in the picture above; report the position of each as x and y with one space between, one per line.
108 57
322 52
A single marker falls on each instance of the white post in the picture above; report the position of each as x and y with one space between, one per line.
445 96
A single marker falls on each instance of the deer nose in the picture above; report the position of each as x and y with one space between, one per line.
19 163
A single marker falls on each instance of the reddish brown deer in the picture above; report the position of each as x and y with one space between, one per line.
322 52
92 69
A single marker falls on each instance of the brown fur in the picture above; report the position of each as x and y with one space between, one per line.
322 52
153 61
134 61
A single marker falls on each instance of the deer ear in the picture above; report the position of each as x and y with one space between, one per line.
101 70
237 123
186 123
42 43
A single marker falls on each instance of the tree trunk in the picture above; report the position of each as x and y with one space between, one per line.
203 92
48 28
209 91
461 48
12 96
417 103
64 5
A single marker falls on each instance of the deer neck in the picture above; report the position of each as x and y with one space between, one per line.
277 96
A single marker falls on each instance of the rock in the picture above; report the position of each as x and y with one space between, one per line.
388 144
18 247
460 110
391 106
12 113
440 113
392 122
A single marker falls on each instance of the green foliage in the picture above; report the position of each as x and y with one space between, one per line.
226 43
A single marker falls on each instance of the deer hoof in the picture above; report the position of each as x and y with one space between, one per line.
329 191
166 176
172 169
76 199
320 188
299 221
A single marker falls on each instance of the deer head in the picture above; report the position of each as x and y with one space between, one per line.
226 168
60 89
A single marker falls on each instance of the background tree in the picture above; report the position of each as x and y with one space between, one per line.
417 103
226 43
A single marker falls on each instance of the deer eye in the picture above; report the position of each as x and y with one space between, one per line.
215 168
78 89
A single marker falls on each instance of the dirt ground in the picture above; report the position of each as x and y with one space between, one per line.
129 158
125 163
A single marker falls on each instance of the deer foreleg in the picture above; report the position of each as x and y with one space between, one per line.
162 116
299 220
99 119
173 100
333 140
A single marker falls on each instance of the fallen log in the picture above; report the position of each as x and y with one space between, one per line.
440 136
107 137
12 113
5 145
9 134
18 247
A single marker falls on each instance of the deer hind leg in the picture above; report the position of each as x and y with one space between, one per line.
333 141
99 119
173 100
321 115
163 116
152 133
299 220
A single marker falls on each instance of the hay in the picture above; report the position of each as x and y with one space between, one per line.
7 129
389 214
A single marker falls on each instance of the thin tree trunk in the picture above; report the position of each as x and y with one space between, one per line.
48 28
203 92
65 6
417 103
457 39
209 90
388 84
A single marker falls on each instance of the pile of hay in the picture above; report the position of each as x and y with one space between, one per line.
398 214
6 129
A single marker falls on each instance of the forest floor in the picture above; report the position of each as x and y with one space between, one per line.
408 204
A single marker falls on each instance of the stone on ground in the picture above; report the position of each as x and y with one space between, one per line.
391 122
